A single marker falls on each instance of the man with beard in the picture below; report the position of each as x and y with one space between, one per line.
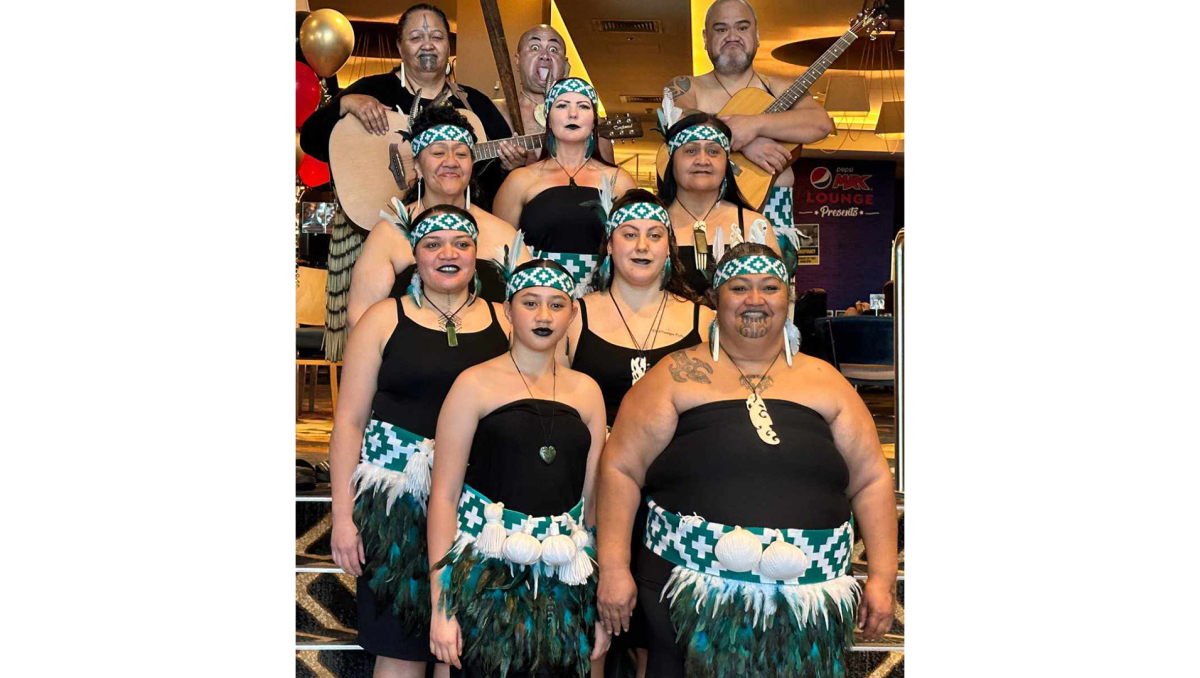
424 42
731 39
541 59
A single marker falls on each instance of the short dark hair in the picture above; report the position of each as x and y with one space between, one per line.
421 7
677 282
667 186
430 117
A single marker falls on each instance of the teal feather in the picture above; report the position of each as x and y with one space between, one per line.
397 564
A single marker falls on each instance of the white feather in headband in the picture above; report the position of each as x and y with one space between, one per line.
669 114
758 232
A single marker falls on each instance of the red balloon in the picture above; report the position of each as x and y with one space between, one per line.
313 172
308 93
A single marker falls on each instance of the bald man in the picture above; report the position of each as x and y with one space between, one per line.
541 59
731 40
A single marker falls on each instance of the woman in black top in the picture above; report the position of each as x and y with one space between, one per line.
545 200
700 192
400 361
752 458
424 42
443 140
519 437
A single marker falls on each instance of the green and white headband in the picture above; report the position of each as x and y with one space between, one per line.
442 222
442 133
541 276
752 264
698 132
638 210
577 85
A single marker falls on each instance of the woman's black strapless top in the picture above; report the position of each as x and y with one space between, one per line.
505 465
555 220
419 367
609 364
717 467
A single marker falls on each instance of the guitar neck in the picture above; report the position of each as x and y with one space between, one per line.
491 149
798 88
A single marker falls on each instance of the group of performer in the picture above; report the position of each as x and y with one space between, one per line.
711 529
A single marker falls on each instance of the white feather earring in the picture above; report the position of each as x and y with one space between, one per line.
468 197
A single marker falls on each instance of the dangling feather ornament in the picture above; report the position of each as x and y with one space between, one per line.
790 234
669 114
508 255
398 216
718 245
603 207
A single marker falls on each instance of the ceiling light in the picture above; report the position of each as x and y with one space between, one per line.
846 96
891 120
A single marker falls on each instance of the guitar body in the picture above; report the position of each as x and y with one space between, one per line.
753 182
360 163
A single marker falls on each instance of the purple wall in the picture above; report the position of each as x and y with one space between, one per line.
853 202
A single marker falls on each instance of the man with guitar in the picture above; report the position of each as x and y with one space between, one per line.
541 59
731 39
424 42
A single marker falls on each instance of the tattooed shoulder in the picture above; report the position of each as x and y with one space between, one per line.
684 368
679 86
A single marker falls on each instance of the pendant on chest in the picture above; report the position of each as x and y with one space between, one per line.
539 115
548 453
451 334
637 367
761 419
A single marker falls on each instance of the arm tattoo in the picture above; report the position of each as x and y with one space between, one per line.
686 368
679 86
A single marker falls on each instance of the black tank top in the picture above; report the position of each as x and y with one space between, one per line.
609 364
556 221
687 254
489 275
716 466
419 367
505 465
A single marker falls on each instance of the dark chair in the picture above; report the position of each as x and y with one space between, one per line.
810 305
861 348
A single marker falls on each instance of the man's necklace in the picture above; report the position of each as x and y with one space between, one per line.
638 365
753 74
699 234
539 110
547 451
449 322
759 417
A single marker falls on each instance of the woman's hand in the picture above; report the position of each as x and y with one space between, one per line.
368 110
875 611
603 641
445 639
348 547
615 599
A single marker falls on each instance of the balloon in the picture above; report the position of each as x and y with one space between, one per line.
313 172
327 40
299 153
308 93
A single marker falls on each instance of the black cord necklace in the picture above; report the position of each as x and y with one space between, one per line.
450 321
547 451
638 365
699 234
759 417
570 177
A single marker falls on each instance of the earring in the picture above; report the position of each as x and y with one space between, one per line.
420 183
714 340
468 197
550 143
447 67
724 185
591 146
402 80
791 341
666 274
414 289
478 287
601 279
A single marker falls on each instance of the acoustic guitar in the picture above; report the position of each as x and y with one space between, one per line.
753 182
369 170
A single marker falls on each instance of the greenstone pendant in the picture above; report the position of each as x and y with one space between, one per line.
548 453
451 335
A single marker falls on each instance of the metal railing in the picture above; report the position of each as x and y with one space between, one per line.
898 339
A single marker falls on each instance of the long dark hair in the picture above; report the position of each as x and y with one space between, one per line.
677 282
667 186
595 155
431 117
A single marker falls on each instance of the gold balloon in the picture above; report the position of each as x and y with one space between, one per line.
327 39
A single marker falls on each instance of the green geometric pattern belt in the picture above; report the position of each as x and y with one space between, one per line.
471 521
691 542
390 446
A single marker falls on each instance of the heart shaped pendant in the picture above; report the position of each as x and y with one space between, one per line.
548 453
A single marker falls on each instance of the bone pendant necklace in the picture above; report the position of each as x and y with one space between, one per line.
760 419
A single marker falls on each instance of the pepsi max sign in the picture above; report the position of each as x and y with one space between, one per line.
835 192
845 179
820 177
